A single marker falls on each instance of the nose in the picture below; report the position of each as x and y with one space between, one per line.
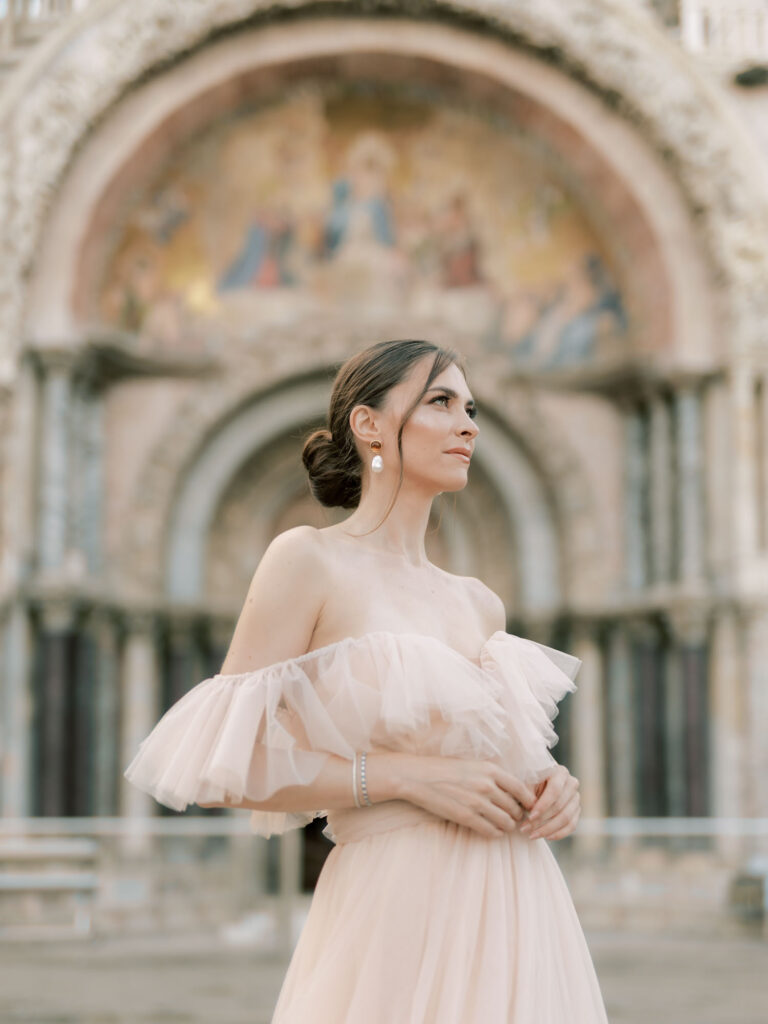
469 428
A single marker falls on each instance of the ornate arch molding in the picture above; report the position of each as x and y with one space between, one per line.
55 100
535 475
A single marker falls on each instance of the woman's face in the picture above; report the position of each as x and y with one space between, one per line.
439 436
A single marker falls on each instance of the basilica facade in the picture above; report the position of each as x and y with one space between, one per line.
207 207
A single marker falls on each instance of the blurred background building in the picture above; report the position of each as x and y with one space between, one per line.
205 207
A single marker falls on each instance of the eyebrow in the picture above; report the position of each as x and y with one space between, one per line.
450 392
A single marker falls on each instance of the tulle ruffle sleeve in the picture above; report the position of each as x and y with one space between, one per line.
235 737
532 679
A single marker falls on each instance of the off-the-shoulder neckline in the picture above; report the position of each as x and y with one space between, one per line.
349 641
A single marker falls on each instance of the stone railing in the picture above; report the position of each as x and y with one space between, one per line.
731 30
172 873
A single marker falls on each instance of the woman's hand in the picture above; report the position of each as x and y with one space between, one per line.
477 794
557 808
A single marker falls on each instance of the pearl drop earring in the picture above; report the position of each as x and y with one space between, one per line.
377 463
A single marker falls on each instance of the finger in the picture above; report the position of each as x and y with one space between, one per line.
545 816
554 796
508 804
522 793
569 813
486 827
499 816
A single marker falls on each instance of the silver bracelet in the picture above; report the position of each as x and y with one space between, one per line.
354 780
362 780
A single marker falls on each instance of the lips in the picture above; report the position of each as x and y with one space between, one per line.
465 453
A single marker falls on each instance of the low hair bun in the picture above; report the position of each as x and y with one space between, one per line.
334 474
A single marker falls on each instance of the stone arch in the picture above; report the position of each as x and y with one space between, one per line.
614 49
169 541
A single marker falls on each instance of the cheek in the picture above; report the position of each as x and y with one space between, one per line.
423 434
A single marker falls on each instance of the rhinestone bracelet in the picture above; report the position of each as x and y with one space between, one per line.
354 780
362 780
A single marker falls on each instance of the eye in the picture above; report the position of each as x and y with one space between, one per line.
440 398
472 411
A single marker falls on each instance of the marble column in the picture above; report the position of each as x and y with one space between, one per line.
588 731
621 752
106 713
756 648
660 474
291 852
53 695
761 456
18 493
690 489
728 724
16 722
140 703
742 481
675 730
635 487
686 699
87 491
54 460
185 662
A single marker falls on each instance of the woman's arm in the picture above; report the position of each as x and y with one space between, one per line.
333 786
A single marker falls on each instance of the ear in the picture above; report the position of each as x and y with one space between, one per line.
364 424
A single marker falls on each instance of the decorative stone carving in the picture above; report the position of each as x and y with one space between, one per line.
618 50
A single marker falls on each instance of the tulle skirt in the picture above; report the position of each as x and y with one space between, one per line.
432 923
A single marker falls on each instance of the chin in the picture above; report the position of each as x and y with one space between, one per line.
453 484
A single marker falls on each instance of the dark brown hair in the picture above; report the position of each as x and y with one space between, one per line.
330 455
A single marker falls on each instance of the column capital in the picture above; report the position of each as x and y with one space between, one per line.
58 614
688 622
55 357
140 622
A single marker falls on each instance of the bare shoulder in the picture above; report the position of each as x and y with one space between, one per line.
297 549
285 598
488 603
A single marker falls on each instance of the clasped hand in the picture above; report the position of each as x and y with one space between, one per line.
557 809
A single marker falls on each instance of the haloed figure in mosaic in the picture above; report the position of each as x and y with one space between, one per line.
367 684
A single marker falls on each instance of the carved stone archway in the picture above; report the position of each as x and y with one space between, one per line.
613 48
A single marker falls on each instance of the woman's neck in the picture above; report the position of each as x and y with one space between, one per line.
403 530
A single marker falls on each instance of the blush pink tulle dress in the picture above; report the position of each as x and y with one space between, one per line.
414 919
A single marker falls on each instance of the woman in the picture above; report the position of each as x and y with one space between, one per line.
365 683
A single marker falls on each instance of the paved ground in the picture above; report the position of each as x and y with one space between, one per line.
190 981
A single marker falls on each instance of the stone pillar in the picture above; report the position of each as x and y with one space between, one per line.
620 732
588 735
140 702
291 846
106 714
761 455
690 490
635 483
756 649
16 773
87 490
728 724
743 482
685 710
54 460
660 473
52 705
185 662
19 478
